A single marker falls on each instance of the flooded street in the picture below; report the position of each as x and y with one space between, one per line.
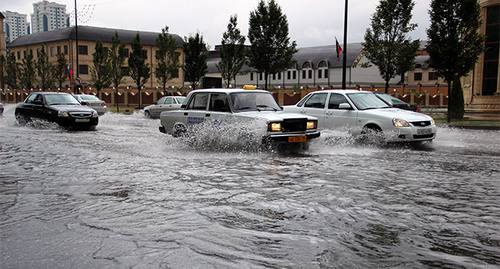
128 196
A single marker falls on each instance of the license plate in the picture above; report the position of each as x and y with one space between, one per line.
424 131
295 139
82 120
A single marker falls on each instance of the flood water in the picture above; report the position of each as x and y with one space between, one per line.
128 196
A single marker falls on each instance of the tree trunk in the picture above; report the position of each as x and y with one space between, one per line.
450 102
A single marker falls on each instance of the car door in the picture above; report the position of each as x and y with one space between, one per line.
39 107
196 109
339 117
315 106
155 110
26 108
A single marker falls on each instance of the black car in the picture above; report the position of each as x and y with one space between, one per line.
61 108
1 108
395 102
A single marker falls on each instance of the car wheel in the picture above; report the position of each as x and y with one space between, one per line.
179 130
372 135
147 114
21 119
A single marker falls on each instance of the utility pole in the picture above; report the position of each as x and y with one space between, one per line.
78 48
344 58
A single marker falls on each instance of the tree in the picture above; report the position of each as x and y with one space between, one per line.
101 70
454 43
12 72
195 59
386 44
45 70
271 51
116 60
139 69
3 68
167 58
28 71
61 69
233 52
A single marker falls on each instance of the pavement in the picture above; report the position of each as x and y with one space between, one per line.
488 119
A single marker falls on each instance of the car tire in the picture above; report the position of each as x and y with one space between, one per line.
21 119
372 135
147 114
179 130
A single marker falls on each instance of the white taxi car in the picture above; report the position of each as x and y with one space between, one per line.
362 113
251 109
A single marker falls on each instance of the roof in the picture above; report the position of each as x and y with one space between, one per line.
313 55
231 90
89 33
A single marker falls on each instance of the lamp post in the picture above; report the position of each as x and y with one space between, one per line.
344 58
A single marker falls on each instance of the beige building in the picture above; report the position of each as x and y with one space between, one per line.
2 36
65 41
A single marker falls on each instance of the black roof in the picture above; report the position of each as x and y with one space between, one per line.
89 33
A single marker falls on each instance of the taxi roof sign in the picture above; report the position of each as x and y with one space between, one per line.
249 87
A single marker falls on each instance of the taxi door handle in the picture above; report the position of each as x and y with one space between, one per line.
207 115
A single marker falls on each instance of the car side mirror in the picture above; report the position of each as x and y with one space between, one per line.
345 106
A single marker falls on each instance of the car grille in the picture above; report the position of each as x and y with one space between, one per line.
421 123
80 115
293 125
423 136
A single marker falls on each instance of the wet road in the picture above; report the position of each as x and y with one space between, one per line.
128 196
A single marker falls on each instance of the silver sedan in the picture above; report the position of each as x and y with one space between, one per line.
164 104
93 102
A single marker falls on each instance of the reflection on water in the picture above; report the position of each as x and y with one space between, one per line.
127 195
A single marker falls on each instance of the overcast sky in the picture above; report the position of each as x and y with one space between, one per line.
311 23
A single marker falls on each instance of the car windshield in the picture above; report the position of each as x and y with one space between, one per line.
253 101
60 99
367 101
89 97
389 98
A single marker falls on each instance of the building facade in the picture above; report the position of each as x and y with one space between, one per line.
64 41
15 25
48 16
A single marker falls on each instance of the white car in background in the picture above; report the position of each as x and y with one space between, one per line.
362 113
92 101
253 111
163 104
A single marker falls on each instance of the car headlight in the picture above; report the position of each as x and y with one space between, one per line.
400 123
433 122
94 114
311 125
274 126
63 114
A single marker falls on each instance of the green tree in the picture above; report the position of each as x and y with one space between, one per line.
271 51
386 43
139 69
12 72
28 71
454 43
45 70
167 58
61 69
3 68
195 59
101 70
116 61
232 53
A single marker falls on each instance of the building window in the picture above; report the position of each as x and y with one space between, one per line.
310 74
279 76
83 69
433 76
260 76
417 76
491 55
58 50
326 73
18 55
320 72
51 51
251 76
83 50
303 74
294 74
127 52
288 74
274 76
66 49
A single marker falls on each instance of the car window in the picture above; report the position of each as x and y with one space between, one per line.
199 101
179 100
253 101
303 100
318 100
367 101
60 99
89 97
335 100
31 98
218 102
168 101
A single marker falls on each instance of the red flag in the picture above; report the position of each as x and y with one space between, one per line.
339 49
70 73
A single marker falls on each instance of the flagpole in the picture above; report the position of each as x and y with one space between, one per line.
344 59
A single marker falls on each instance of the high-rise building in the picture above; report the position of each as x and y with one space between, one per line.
48 16
15 25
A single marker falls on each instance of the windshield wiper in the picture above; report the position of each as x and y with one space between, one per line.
266 106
